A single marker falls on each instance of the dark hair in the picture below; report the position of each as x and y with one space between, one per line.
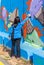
17 20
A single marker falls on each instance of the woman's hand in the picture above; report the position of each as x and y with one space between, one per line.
29 15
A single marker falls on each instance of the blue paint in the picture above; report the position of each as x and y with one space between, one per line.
0 3
12 4
1 41
7 43
38 58
42 38
24 54
36 23
26 49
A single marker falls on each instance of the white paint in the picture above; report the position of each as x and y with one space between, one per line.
4 35
0 3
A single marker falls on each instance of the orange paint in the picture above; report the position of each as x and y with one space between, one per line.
24 16
38 31
24 27
29 4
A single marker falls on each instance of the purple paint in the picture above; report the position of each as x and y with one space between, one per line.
35 6
4 14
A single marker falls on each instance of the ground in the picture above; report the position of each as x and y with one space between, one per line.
6 59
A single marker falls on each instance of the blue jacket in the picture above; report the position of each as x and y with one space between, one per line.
17 30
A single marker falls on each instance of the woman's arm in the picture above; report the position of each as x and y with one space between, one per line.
24 21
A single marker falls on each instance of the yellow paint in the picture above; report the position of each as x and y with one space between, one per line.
1 63
9 25
36 46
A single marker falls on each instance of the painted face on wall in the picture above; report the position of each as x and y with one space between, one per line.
4 13
35 6
4 17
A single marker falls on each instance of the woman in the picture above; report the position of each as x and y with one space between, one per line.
16 37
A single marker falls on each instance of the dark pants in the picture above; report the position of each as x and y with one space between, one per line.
16 46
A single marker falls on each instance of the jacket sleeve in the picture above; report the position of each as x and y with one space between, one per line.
24 21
